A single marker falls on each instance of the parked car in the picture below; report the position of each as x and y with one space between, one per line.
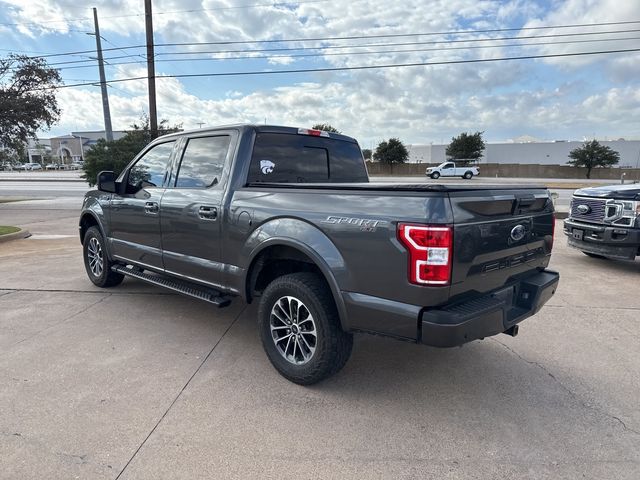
30 166
604 222
75 166
449 169
53 166
6 166
286 217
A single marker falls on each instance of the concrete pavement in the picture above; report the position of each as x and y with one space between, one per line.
137 383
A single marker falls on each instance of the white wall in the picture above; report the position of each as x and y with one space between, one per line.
543 153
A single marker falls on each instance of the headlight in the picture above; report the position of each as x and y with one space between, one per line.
629 212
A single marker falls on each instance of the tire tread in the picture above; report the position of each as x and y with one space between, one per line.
338 343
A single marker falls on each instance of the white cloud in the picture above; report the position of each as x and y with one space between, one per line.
580 12
560 97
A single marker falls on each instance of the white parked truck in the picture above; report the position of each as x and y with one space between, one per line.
449 169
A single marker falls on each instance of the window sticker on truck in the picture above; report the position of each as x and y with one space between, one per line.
267 166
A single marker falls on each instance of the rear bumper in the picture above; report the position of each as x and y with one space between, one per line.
489 314
453 325
613 242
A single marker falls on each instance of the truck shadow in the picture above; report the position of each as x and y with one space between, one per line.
626 266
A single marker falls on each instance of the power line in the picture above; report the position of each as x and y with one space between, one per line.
216 9
128 55
363 67
129 15
361 37
396 35
403 44
377 52
368 45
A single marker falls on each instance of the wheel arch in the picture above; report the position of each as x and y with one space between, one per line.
280 255
87 220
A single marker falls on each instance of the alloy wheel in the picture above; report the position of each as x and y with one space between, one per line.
95 257
293 330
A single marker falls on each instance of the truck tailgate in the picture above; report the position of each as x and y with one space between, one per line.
498 235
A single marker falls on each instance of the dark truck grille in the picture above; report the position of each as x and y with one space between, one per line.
596 211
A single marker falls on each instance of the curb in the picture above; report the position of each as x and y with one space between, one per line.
43 180
15 236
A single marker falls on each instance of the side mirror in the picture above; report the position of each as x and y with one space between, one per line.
107 181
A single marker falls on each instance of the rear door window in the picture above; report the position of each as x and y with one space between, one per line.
291 158
203 162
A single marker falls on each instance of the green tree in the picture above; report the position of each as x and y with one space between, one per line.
9 156
591 155
390 152
325 127
117 154
45 156
466 148
27 98
366 153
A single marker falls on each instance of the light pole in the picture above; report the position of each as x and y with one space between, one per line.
103 83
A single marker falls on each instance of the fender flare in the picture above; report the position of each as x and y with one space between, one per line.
89 212
310 241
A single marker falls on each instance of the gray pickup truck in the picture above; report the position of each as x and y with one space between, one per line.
604 222
287 217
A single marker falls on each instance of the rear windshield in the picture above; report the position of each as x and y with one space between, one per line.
290 158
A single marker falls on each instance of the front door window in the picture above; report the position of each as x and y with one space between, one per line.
150 169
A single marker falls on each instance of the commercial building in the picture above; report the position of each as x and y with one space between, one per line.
71 148
529 153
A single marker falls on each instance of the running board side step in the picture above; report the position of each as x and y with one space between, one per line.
181 286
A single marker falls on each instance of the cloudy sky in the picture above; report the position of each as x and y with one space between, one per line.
549 98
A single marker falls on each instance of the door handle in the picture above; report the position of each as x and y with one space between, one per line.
151 208
207 213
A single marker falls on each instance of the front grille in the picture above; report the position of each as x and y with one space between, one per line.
596 211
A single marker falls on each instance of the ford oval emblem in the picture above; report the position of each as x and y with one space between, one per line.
518 232
583 209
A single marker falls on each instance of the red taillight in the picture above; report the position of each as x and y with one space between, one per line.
430 252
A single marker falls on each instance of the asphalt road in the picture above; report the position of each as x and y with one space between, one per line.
69 184
137 383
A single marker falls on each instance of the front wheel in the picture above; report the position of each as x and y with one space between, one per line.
300 329
467 175
435 175
96 261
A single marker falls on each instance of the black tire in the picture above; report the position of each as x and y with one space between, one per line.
332 345
435 175
594 255
468 175
94 254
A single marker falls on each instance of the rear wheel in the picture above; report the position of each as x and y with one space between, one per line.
435 175
300 329
468 175
96 261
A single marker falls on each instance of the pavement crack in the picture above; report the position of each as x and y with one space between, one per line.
184 387
571 393
26 225
65 320
59 290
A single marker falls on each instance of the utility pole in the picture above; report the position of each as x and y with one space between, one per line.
103 83
151 70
